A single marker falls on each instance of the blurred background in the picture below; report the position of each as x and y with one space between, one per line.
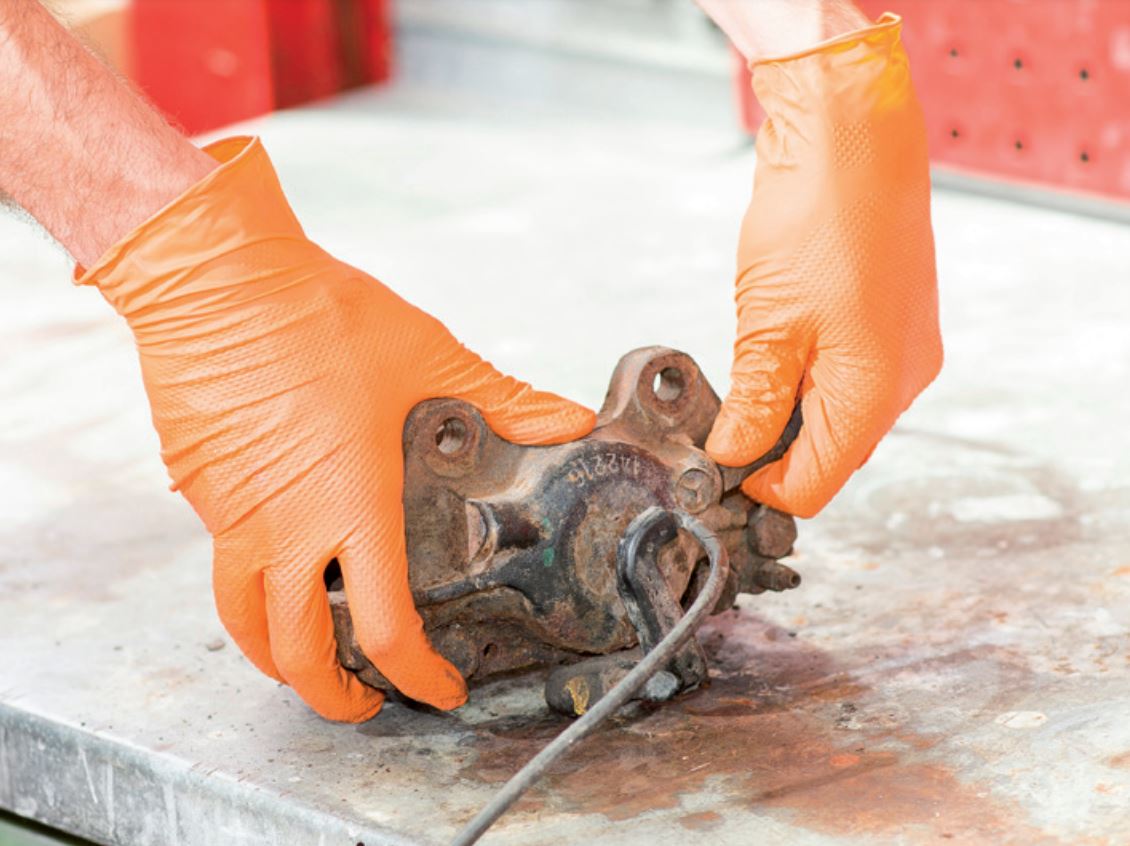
561 181
1033 91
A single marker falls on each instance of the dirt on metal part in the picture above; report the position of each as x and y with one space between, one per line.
781 731
512 550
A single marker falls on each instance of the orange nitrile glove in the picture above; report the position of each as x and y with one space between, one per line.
280 380
836 287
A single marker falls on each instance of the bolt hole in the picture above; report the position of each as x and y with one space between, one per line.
794 580
1084 74
668 384
954 133
1084 157
953 52
451 436
1018 63
488 649
1018 144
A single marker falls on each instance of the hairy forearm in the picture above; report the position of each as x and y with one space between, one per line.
763 29
79 151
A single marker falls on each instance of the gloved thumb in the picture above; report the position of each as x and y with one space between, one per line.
765 380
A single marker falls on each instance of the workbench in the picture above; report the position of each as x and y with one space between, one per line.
955 666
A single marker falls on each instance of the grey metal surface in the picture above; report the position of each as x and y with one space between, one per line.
956 666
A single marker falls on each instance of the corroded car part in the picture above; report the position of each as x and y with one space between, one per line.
512 550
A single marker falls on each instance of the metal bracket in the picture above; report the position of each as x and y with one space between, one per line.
514 553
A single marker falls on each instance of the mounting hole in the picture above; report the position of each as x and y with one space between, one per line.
1084 157
953 52
1018 63
1084 74
668 384
954 133
452 436
488 649
1018 144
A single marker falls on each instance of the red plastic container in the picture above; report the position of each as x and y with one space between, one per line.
207 63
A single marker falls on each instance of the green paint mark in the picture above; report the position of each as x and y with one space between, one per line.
547 557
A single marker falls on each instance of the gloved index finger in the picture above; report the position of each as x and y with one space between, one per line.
512 408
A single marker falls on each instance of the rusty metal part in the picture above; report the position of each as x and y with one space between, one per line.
777 576
574 688
771 533
512 550
653 609
640 542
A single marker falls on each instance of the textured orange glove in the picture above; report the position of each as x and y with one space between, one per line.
280 380
836 287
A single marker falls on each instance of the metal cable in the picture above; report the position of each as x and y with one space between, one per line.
651 663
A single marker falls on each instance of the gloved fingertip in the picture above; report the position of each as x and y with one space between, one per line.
365 709
543 420
450 703
446 688
349 700
570 422
771 487
720 444
733 442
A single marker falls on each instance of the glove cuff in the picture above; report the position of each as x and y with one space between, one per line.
845 114
170 266
884 31
855 76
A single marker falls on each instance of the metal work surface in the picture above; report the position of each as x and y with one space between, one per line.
955 667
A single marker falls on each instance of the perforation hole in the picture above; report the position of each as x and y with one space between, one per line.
668 384
451 436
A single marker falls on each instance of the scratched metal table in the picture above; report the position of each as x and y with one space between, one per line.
955 667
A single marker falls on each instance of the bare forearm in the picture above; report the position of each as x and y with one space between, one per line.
79 150
762 29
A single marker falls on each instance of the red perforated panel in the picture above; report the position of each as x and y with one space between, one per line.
1030 90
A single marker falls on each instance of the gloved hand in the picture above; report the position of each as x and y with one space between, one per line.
280 380
836 288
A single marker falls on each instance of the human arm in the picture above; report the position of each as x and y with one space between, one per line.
761 29
80 151
836 287
279 378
